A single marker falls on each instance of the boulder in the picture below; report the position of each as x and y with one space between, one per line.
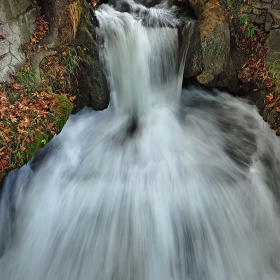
17 24
208 57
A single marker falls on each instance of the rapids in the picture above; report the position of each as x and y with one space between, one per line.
164 184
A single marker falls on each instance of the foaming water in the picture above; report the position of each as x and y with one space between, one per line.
144 64
169 190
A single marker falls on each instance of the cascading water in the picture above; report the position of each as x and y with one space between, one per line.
156 187
143 66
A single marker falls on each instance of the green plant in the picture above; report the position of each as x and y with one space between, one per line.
228 4
26 76
58 71
25 80
249 28
70 60
243 21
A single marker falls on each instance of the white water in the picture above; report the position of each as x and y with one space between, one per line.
153 188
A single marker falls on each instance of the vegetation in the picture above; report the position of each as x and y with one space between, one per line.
33 109
248 28
259 78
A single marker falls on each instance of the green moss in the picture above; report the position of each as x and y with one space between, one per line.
62 110
214 39
34 146
205 78
85 33
210 48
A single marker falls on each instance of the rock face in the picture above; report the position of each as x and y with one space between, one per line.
212 59
17 22
209 54
265 12
90 84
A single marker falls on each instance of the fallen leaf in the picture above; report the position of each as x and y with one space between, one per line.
271 105
269 97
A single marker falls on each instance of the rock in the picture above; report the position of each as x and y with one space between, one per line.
205 78
90 84
260 5
18 23
275 13
257 11
2 35
272 44
208 55
268 23
276 4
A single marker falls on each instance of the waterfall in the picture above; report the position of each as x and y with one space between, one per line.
164 184
144 63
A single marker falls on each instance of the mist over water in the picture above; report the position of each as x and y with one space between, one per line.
164 184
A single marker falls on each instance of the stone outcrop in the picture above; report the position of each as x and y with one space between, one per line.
90 84
73 24
208 58
17 22
212 59
265 12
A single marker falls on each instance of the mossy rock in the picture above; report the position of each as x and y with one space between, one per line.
62 109
210 48
205 78
38 142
